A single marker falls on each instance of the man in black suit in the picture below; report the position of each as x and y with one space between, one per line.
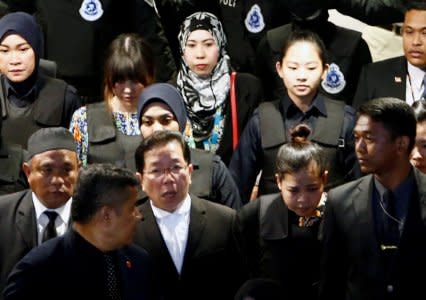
51 169
401 77
190 240
374 234
95 256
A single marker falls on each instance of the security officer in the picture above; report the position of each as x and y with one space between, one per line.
78 32
346 53
247 21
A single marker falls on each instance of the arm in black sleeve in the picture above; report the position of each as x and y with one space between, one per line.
352 169
247 159
28 6
239 47
373 12
360 59
362 92
224 186
147 23
72 103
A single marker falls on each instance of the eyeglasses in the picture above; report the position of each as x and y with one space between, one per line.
159 173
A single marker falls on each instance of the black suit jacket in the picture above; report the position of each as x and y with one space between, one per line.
211 268
69 267
18 230
385 78
352 267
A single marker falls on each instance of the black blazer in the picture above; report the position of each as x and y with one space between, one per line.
385 78
18 230
351 261
211 268
69 267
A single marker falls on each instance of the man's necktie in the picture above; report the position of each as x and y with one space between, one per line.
111 278
424 88
390 221
50 230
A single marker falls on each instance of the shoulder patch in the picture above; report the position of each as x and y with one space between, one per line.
254 20
91 10
334 81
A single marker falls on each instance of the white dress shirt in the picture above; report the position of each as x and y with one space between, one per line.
174 229
61 222
415 89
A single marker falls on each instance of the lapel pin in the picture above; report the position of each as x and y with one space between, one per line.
398 79
128 264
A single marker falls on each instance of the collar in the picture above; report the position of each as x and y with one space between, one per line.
416 76
289 108
401 189
64 211
183 208
26 98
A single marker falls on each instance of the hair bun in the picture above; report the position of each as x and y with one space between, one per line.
300 133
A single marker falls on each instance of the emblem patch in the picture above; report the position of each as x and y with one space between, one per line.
334 82
254 20
91 10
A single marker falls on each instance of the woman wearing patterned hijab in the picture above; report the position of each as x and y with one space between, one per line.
204 79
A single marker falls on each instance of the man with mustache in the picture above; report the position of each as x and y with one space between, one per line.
403 77
29 217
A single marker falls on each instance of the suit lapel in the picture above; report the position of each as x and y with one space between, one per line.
421 186
362 201
154 240
398 84
196 227
26 221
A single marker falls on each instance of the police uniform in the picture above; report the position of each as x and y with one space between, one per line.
78 32
50 103
106 142
12 177
346 53
332 124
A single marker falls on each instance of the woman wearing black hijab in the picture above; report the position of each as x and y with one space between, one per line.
29 99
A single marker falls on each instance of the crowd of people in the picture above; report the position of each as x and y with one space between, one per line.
232 149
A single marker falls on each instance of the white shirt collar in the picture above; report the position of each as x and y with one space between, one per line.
64 211
183 208
416 76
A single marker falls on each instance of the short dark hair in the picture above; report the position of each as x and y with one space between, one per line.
158 139
395 115
414 4
299 153
94 186
304 35
420 110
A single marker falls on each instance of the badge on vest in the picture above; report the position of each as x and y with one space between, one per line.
254 20
334 81
91 10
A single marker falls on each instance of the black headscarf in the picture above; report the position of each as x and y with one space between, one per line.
24 25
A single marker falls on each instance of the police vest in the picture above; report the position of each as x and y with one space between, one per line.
46 110
11 159
106 143
327 133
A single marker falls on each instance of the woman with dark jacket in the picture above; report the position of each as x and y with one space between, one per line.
29 100
279 232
